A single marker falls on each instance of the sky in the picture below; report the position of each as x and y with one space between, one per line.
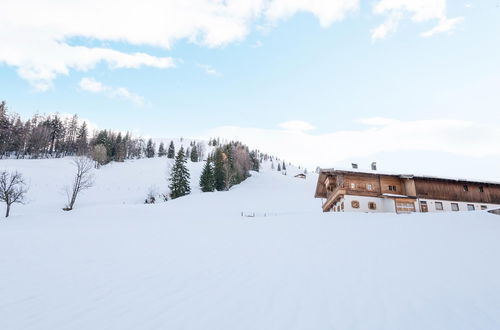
317 82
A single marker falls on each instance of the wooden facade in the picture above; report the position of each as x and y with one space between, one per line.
334 185
462 191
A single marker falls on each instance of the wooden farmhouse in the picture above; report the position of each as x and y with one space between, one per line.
372 191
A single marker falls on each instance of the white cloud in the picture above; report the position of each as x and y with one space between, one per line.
389 26
209 69
94 86
461 138
40 61
419 11
445 25
326 11
296 125
257 44
36 36
377 121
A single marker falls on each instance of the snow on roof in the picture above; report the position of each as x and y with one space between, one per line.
421 176
395 195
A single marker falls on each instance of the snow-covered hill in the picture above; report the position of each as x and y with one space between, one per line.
197 263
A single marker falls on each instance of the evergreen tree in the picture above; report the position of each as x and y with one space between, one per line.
103 139
150 149
188 153
56 131
207 179
4 129
219 173
194 154
179 177
119 148
171 150
53 136
254 161
161 150
284 166
279 167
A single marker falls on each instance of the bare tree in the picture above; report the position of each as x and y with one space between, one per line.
12 189
84 179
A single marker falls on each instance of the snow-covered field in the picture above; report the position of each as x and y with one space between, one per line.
196 263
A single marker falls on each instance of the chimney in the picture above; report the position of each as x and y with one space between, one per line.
354 165
374 166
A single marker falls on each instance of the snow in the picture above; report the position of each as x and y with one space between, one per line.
197 263
394 195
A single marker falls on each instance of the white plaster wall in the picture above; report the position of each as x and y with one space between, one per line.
388 205
431 205
363 203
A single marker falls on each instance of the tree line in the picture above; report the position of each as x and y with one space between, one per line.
229 164
54 136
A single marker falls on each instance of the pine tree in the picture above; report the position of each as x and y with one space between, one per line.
119 148
284 166
254 161
207 179
279 167
219 172
171 150
161 150
194 154
188 153
179 177
150 149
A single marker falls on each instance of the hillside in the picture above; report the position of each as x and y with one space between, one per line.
196 263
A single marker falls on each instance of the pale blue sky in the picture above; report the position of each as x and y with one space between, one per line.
291 68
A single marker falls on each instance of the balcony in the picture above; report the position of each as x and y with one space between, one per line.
332 196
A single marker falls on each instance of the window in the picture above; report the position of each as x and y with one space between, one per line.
481 189
439 206
392 188
372 205
353 186
405 207
423 206
369 186
466 188
355 204
484 207
454 207
470 207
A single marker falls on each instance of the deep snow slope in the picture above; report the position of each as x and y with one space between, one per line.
196 263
